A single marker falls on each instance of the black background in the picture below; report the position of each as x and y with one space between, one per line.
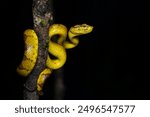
109 63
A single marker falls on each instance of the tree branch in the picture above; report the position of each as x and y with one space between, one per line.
42 18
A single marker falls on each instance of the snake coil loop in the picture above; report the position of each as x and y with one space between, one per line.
57 49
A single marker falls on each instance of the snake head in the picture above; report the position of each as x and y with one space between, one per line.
81 29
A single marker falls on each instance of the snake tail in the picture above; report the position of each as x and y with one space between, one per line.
42 78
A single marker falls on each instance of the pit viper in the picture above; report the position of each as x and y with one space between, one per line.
57 49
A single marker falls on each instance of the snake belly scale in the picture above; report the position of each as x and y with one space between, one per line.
57 49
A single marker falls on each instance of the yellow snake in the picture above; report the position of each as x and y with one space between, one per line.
57 49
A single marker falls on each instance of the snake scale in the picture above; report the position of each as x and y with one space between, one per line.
57 49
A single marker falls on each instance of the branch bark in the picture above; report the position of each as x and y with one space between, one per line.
42 18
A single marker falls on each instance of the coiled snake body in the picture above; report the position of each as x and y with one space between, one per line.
57 49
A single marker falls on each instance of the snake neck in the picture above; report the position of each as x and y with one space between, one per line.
73 40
